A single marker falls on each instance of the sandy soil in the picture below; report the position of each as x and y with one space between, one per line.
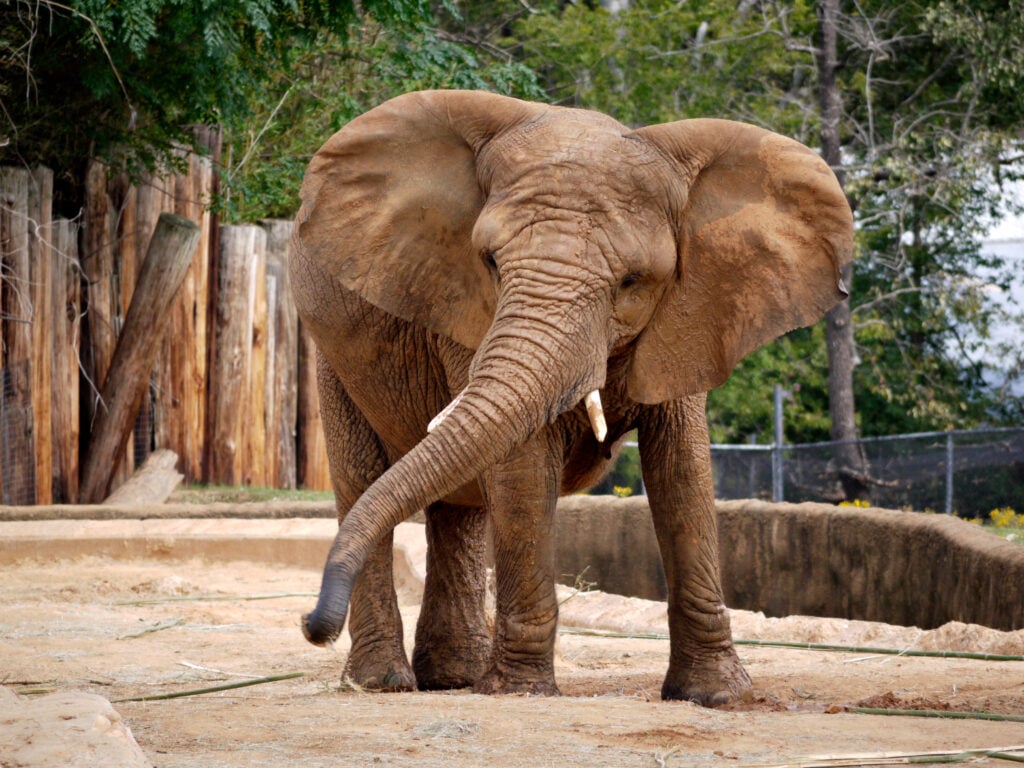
121 630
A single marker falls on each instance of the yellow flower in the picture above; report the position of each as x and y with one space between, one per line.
1003 517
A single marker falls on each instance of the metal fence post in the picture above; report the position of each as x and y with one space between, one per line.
949 472
778 480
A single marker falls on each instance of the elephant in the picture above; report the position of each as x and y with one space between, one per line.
499 291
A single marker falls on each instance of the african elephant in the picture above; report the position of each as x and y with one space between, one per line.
499 291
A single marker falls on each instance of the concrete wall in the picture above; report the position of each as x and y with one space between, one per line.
905 568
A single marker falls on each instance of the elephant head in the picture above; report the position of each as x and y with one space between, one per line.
558 244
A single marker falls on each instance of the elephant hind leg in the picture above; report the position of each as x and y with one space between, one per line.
453 638
377 660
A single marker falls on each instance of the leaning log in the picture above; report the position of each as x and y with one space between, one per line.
169 255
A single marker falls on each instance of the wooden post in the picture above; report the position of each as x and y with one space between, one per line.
167 260
314 473
66 302
16 425
282 374
128 256
194 386
254 462
98 266
41 257
271 398
236 299
156 197
209 138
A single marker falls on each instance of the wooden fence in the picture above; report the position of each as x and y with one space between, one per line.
233 391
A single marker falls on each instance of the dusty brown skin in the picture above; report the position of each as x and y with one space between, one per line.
524 255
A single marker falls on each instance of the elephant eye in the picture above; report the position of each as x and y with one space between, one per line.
489 261
629 281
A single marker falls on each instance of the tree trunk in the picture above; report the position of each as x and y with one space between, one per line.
170 252
850 463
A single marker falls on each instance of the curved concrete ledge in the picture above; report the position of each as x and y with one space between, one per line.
904 568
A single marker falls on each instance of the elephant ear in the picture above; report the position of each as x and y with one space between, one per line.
763 231
389 204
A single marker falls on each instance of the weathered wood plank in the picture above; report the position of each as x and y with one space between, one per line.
17 461
284 381
159 191
41 266
194 387
97 260
66 316
254 463
236 299
314 472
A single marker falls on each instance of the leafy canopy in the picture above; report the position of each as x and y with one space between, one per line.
125 81
931 117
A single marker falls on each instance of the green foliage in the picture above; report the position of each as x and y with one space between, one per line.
332 80
926 144
931 109
125 81
625 477
744 405
659 61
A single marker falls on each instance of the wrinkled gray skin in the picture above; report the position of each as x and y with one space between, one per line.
525 255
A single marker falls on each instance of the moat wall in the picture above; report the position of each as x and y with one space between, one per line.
905 568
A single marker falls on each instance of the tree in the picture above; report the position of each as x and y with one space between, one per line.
331 80
125 81
916 108
851 466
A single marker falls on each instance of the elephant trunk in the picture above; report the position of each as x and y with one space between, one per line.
532 367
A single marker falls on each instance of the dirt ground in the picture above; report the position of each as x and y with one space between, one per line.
122 630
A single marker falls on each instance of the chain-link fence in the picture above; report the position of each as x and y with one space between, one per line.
966 472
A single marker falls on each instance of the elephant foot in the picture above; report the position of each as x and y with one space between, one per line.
712 682
497 682
373 673
447 668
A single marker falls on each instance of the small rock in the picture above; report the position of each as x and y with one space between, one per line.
66 729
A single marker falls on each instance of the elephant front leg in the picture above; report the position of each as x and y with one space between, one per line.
377 660
676 460
521 496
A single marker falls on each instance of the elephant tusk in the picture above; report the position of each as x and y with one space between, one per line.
434 422
596 414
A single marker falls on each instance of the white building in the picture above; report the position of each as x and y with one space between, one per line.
1005 348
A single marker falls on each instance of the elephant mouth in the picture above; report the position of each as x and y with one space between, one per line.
595 412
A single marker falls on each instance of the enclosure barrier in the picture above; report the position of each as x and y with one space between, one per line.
964 472
232 391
